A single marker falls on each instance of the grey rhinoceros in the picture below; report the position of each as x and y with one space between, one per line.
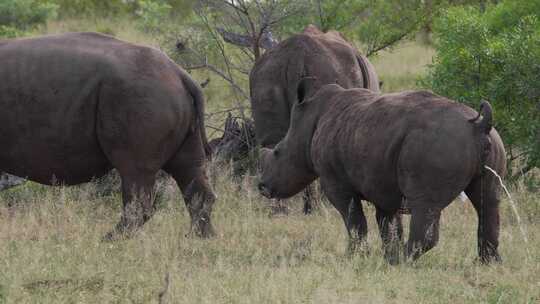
273 79
73 106
383 148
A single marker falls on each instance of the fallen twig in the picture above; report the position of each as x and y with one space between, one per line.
163 293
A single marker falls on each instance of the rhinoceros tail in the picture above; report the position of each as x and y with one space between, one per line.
486 123
195 91
483 122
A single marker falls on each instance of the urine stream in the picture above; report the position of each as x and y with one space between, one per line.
514 209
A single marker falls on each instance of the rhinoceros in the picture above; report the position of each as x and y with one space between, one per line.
383 148
73 106
273 79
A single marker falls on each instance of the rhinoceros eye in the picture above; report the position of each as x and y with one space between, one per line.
276 152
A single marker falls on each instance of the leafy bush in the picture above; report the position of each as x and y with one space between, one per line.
93 7
17 16
9 32
494 55
374 24
152 14
109 8
388 22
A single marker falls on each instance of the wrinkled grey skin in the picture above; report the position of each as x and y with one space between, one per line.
274 78
382 148
74 106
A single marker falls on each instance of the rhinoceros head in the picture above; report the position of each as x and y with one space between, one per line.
287 168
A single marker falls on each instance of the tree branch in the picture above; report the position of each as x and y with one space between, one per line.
522 172
234 38
387 43
222 75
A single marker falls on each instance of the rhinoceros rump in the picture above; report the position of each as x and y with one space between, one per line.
274 78
382 148
73 106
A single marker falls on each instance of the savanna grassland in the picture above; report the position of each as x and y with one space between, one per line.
51 249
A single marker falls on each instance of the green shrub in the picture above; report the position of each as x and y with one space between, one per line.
105 29
152 15
494 55
9 32
100 8
18 16
93 7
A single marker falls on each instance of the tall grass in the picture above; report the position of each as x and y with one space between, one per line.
51 252
400 68
121 27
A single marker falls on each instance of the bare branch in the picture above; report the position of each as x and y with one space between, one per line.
223 111
234 38
222 75
235 7
522 172
266 40
228 76
387 43
205 83
246 24
163 293
215 128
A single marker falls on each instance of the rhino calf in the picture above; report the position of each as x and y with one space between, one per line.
74 106
383 148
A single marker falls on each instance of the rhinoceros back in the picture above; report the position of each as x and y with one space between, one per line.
275 76
49 102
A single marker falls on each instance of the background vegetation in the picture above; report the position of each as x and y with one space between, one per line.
50 248
495 55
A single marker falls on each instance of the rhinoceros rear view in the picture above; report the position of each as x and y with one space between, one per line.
412 145
74 106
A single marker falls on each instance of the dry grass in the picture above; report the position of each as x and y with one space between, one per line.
50 248
122 28
400 68
50 252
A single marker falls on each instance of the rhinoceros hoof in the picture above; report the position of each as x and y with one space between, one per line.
202 230
489 259
393 258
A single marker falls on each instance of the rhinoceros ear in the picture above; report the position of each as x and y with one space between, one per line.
305 88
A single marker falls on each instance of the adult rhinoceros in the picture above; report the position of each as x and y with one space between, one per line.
382 148
74 106
326 56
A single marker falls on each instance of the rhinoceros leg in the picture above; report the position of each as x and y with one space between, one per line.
358 224
424 229
391 232
137 197
350 207
187 168
308 198
199 200
484 196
